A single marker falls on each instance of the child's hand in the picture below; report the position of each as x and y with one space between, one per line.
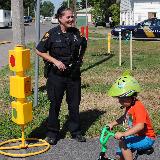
110 126
118 135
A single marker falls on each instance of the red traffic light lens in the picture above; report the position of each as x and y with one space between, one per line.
12 60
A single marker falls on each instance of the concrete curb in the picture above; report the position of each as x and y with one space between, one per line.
4 42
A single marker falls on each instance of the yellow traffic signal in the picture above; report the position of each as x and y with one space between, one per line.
20 87
21 112
19 59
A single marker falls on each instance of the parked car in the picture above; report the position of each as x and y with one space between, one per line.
27 19
99 22
149 28
54 20
42 19
48 18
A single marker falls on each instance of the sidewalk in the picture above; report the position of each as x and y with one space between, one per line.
67 149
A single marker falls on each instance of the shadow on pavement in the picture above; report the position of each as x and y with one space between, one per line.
87 118
40 132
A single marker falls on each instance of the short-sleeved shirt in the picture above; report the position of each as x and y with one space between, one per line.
63 46
138 114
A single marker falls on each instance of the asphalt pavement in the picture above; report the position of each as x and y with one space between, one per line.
68 149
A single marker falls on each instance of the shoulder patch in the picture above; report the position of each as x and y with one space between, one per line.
45 37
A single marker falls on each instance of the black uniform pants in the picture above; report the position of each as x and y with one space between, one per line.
56 87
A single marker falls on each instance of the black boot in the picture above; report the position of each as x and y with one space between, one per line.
79 138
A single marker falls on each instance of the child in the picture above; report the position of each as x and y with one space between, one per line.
139 134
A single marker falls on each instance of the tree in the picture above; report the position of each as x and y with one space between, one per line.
5 5
29 4
115 10
101 9
90 3
71 4
64 4
26 4
47 9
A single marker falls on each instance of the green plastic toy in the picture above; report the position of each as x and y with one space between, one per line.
105 135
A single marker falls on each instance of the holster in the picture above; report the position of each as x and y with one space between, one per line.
47 68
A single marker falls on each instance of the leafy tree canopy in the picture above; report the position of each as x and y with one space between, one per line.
115 10
47 9
100 7
104 9
65 4
28 5
5 5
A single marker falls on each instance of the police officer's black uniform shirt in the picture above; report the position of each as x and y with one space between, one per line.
63 46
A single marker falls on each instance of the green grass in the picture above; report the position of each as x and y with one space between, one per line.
98 73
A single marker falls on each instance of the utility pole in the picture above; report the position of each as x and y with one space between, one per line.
17 22
28 11
86 13
37 28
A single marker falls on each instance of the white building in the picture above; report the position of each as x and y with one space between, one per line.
81 16
135 11
83 13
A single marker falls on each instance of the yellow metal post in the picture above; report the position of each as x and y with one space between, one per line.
120 49
109 42
131 57
23 137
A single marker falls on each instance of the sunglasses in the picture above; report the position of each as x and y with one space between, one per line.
70 17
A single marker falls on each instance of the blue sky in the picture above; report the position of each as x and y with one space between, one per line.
56 3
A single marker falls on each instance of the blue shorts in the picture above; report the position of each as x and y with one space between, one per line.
137 143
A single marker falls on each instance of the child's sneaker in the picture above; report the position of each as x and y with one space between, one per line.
102 157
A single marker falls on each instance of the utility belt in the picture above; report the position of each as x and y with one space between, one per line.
72 70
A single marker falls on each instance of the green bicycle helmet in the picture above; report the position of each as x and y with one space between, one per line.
124 86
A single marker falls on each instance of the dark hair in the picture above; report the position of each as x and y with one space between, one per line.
60 11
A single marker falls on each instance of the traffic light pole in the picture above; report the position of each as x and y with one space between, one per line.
37 28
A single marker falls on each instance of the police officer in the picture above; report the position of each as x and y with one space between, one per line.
66 48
